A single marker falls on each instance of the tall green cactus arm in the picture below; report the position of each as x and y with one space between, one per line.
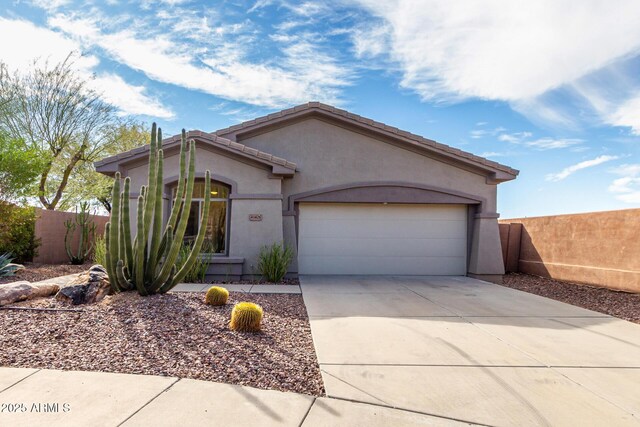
169 241
125 221
156 234
91 239
71 228
182 224
112 282
181 183
140 245
114 242
150 194
195 251
150 205
123 280
177 201
122 253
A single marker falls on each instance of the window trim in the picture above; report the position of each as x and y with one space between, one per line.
200 201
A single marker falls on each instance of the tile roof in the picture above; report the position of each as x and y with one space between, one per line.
208 138
374 125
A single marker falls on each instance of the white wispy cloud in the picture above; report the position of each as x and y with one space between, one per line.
47 45
489 154
482 133
517 51
541 144
627 187
506 50
514 138
627 114
129 98
50 5
303 72
553 143
564 173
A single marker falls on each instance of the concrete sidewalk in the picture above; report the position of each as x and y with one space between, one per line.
32 397
470 350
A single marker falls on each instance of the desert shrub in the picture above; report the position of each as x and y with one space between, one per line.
7 268
274 260
197 273
87 229
18 231
246 317
100 251
216 295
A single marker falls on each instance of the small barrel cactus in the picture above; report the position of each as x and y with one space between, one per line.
246 317
216 295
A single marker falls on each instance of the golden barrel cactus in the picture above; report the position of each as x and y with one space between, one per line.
246 317
216 295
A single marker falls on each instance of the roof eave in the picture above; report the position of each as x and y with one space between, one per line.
279 166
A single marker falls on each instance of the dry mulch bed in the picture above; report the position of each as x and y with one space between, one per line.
293 281
34 272
174 334
614 303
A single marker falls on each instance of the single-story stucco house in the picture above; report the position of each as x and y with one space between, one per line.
350 195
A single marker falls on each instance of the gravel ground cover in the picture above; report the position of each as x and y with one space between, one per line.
294 281
34 272
174 334
614 303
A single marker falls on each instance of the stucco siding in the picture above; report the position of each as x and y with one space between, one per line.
254 191
327 155
247 237
250 179
330 155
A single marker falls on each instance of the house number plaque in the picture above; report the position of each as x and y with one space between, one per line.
255 217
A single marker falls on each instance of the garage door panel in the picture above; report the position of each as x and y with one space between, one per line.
325 211
416 266
382 239
367 228
321 246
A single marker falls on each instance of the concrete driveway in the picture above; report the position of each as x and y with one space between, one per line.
472 351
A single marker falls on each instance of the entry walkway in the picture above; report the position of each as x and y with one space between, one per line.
469 350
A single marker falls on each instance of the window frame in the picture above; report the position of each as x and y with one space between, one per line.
200 201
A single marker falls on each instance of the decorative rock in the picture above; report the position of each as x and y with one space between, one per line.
87 288
23 290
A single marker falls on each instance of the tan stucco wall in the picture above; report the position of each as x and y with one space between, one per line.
253 180
247 237
329 155
599 248
50 230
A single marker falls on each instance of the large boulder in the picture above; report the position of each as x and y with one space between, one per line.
87 288
23 290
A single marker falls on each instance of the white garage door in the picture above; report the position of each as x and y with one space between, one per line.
349 238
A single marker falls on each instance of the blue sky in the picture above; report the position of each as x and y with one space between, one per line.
550 88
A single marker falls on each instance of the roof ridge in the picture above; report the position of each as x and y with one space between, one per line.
373 123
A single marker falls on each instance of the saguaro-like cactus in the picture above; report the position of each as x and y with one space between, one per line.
147 262
87 234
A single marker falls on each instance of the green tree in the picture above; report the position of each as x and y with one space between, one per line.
20 167
88 185
56 113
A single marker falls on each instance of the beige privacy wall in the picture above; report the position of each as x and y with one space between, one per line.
599 248
50 230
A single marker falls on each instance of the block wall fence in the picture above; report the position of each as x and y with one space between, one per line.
596 248
50 230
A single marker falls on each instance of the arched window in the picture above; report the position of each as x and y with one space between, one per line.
215 241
